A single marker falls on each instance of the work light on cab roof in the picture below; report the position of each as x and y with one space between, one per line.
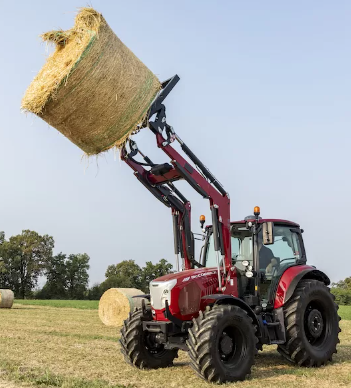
202 221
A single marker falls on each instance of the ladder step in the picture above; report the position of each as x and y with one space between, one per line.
274 324
277 342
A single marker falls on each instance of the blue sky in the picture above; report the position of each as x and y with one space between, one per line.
264 100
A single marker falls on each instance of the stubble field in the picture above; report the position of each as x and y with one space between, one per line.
45 346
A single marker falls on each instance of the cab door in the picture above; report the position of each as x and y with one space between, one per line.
275 258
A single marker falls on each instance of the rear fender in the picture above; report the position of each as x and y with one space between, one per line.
290 279
232 300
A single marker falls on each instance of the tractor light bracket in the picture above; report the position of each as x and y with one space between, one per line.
183 325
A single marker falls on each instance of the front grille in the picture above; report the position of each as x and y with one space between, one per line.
189 299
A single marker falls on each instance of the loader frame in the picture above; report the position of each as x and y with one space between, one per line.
159 180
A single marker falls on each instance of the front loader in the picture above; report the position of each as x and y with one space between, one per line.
251 286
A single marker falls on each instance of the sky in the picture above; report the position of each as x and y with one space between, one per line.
264 101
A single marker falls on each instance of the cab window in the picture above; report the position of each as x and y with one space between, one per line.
285 251
241 246
274 259
210 256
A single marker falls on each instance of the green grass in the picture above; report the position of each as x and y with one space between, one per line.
345 312
75 304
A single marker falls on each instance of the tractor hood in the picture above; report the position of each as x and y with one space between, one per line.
187 275
183 291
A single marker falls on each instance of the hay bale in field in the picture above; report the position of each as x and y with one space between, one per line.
116 303
92 89
6 299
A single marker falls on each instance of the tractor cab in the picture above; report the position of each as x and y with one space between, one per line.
278 245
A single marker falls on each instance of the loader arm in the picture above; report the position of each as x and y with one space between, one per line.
159 180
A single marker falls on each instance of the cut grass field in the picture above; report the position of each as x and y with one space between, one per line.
45 346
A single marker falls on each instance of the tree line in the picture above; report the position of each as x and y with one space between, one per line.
26 257
342 291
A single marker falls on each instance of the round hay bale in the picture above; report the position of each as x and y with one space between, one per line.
6 299
116 303
92 89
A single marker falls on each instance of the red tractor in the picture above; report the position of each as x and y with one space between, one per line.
251 287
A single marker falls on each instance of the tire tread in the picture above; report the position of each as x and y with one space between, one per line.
199 342
131 348
294 350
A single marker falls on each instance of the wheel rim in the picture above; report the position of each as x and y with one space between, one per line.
231 346
316 323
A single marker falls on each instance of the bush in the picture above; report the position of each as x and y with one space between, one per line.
342 296
94 293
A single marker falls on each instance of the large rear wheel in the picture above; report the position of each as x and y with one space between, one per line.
222 344
139 347
312 325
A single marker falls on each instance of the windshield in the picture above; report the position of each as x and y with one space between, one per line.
241 242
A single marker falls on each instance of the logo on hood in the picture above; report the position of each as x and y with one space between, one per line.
200 275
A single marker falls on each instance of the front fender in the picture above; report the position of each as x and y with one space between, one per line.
233 300
291 278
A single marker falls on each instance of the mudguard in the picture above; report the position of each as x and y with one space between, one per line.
230 299
291 278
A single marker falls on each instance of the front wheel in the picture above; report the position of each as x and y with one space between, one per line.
139 347
222 344
312 325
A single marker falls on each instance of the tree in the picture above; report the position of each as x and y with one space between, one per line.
56 275
77 276
115 281
124 274
95 292
342 291
3 270
128 274
24 259
154 271
343 284
342 296
127 269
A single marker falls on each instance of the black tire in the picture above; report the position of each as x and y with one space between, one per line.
138 347
222 344
312 325
259 347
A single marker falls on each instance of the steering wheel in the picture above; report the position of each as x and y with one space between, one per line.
289 258
272 267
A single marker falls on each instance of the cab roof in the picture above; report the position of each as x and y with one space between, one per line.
260 221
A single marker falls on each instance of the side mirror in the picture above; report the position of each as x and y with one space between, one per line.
267 233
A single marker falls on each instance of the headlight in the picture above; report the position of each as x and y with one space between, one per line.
166 295
160 292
